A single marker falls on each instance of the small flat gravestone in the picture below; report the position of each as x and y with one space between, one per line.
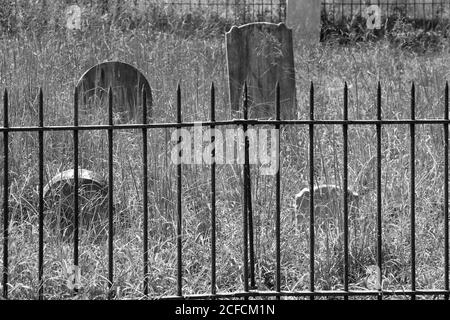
126 83
92 200
303 17
261 54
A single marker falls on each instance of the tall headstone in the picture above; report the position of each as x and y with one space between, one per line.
126 83
261 55
303 17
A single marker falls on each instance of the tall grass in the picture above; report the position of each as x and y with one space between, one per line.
55 59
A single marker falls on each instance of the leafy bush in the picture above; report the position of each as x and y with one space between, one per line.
406 36
412 34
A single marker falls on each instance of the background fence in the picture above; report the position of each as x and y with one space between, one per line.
199 14
339 10
132 13
247 245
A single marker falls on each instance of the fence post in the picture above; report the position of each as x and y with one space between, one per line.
111 195
412 190
311 191
248 191
446 231
5 194
76 185
145 190
41 197
244 211
345 187
179 202
278 194
379 202
213 192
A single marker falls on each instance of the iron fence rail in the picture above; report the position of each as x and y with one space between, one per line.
5 270
247 224
379 200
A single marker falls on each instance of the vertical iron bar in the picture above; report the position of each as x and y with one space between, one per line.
111 195
446 231
235 10
280 8
360 7
406 9
345 186
443 8
379 203
387 9
424 15
278 194
5 194
379 6
311 192
271 10
248 191
249 211
41 197
412 191
76 190
226 10
245 12
334 12
145 188
244 212
179 194
432 11
351 10
213 192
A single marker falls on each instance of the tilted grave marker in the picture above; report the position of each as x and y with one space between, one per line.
261 54
126 82
93 204
303 17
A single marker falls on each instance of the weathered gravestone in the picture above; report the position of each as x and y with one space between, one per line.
303 17
261 55
92 202
126 83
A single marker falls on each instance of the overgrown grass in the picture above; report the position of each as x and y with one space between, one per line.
55 61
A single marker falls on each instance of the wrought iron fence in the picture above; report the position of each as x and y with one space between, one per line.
237 11
17 13
249 289
340 10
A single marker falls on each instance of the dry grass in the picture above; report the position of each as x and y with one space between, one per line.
55 60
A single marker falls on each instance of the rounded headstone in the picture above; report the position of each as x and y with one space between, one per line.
92 202
126 83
